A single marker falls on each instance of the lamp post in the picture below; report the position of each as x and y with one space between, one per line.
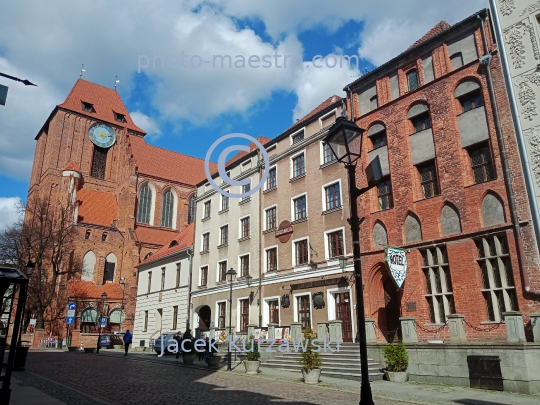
345 140
29 269
103 298
231 274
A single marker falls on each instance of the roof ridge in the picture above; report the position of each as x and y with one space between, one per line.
100 85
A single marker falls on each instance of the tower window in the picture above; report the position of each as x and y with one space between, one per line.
104 236
88 107
99 162
119 117
412 80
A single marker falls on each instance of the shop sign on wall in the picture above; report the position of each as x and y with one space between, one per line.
284 231
396 260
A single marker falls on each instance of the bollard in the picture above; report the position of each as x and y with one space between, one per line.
408 329
456 325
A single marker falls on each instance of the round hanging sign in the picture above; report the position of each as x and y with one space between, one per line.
284 231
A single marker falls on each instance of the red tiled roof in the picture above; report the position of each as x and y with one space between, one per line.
89 289
436 30
328 102
74 167
97 207
167 164
183 240
262 139
104 100
154 236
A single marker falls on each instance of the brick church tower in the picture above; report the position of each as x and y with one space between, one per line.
128 199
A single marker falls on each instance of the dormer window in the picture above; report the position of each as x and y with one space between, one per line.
104 236
173 243
88 107
119 117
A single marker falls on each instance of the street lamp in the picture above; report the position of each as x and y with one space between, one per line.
231 274
249 279
29 268
103 298
345 140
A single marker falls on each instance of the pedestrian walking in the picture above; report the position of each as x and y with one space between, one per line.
128 337
201 354
206 350
178 338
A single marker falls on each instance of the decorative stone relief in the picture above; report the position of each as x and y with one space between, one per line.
507 6
530 9
534 42
517 49
534 140
527 98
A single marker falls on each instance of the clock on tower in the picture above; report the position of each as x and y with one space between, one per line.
102 135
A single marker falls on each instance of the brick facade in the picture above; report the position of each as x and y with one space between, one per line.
457 190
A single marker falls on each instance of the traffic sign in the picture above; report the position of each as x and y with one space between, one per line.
71 313
71 306
103 322
70 320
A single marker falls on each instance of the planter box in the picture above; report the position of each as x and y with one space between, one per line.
397 377
252 367
213 361
189 358
311 376
89 349
73 348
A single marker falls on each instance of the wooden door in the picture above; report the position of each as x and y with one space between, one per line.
343 312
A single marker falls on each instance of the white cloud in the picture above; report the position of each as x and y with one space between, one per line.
9 213
108 37
146 123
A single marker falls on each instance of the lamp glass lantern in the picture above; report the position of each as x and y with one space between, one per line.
249 279
231 275
30 266
345 139
342 263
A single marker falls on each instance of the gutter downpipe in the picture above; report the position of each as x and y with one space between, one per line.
486 61
260 239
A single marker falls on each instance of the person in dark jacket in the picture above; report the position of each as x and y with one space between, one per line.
178 337
128 337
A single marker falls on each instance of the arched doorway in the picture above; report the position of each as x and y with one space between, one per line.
204 315
392 309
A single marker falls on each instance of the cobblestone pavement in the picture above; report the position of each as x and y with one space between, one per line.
94 379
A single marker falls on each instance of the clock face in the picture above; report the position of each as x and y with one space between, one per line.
102 135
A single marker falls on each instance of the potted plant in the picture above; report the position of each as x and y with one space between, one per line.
213 360
397 360
252 361
188 345
310 360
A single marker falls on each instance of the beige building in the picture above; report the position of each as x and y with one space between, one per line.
296 271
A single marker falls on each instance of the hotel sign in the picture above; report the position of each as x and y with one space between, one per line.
284 231
319 283
396 260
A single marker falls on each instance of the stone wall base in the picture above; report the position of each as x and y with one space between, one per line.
447 363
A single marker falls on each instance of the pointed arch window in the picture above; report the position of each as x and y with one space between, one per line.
145 204
191 209
167 209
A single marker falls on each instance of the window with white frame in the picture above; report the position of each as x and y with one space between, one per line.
297 137
298 165
438 284
304 311
328 154
498 285
207 206
332 194
205 242
221 315
273 311
246 188
336 247
300 207
244 265
244 314
224 203
204 276
224 235
271 218
222 270
271 181
245 227
162 278
301 253
271 259
178 268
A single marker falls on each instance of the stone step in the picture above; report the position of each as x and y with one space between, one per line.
326 364
347 374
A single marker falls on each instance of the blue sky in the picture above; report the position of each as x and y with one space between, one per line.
185 110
